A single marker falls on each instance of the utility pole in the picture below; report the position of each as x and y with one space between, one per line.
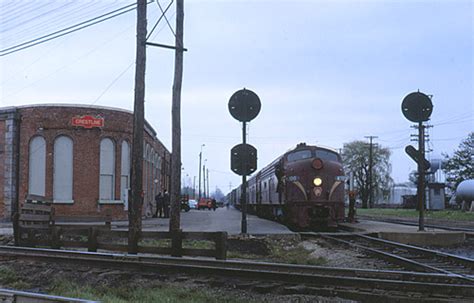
371 196
207 177
136 196
200 158
194 187
421 176
204 178
176 122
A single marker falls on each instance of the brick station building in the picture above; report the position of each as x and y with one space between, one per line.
78 156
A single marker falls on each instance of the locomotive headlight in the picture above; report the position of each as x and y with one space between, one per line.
317 181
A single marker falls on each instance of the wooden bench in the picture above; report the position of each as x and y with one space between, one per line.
35 221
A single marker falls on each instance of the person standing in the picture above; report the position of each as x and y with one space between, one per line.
352 202
159 205
166 204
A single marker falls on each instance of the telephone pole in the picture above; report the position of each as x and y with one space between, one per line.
204 178
176 122
207 177
136 196
421 176
194 187
371 197
199 170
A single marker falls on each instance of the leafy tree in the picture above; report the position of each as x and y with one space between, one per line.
355 156
460 166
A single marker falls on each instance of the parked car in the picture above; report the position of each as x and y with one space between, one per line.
204 203
193 204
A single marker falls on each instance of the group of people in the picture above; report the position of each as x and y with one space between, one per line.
162 205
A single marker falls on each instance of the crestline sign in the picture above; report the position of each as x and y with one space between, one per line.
87 121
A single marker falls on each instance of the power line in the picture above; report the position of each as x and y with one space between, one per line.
50 24
159 19
113 82
68 30
41 14
131 64
167 21
19 12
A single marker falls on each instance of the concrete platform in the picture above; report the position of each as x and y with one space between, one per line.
439 238
408 234
223 219
376 227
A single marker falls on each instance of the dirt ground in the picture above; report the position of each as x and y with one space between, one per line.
41 276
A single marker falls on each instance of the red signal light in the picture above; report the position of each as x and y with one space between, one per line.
317 163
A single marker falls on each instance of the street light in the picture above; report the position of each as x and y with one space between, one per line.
204 177
200 157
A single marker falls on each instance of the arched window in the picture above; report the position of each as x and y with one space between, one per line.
107 169
37 167
63 169
125 174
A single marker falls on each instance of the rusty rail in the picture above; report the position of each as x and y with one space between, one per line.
345 280
9 295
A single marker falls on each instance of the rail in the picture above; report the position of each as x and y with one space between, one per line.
408 256
348 281
9 295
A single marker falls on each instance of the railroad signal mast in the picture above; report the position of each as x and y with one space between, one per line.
244 106
417 107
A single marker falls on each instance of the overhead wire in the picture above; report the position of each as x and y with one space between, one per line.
65 29
50 24
69 63
131 64
167 21
159 19
68 30
34 17
21 12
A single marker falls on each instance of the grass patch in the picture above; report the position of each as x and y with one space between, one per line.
198 244
455 215
10 278
155 243
279 251
155 294
186 243
295 255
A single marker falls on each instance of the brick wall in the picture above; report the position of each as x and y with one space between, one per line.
2 168
53 121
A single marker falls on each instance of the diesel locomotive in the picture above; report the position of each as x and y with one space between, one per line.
303 188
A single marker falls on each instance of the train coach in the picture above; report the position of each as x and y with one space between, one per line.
303 188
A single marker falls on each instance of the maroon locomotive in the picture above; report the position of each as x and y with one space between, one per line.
304 188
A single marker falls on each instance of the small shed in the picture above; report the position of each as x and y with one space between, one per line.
436 196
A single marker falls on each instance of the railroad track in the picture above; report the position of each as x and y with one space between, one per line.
409 223
348 283
8 295
408 257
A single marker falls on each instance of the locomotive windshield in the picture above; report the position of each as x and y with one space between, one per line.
323 154
299 155
327 155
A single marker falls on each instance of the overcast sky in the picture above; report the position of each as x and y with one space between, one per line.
327 72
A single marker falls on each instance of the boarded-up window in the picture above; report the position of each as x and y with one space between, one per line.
107 169
63 169
37 166
125 174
